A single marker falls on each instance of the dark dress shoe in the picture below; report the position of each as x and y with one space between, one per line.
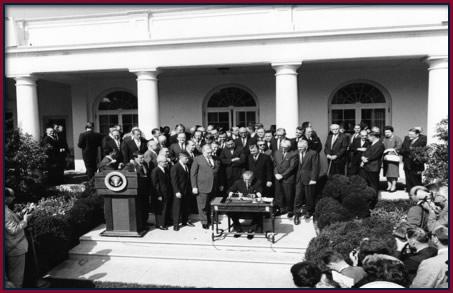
163 228
250 236
190 224
290 214
307 216
205 226
296 220
176 228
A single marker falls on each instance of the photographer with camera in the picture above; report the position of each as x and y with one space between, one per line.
17 244
431 210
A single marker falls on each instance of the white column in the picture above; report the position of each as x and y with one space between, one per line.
437 93
79 100
27 105
148 100
286 96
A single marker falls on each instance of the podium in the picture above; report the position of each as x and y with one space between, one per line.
125 202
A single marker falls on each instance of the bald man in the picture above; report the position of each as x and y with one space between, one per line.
335 150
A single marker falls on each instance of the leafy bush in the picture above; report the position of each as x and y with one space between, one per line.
25 162
59 221
436 156
345 236
329 211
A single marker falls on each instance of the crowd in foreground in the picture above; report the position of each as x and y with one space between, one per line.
416 258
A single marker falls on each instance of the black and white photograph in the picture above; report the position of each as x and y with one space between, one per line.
186 146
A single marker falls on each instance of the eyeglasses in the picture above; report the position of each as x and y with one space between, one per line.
261 144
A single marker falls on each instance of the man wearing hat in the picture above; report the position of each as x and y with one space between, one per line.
90 142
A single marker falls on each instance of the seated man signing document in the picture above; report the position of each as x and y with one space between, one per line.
247 189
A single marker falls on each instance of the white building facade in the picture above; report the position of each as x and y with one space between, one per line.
226 65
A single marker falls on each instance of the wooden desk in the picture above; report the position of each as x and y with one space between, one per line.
225 206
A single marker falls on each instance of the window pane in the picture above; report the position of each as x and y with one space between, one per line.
231 96
107 121
358 93
118 100
129 121
344 117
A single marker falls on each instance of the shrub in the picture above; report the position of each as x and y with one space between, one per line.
58 222
435 156
329 211
25 162
346 236
336 186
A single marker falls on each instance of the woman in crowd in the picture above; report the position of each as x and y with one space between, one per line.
16 242
392 144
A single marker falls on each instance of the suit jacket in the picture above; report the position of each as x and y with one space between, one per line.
356 155
89 142
408 151
142 171
161 183
239 145
240 186
309 169
233 169
109 144
203 176
129 147
151 158
339 147
51 148
314 143
261 168
374 155
180 179
175 149
287 167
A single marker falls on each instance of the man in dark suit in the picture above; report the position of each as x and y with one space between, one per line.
90 142
243 141
245 187
177 147
179 128
111 142
151 153
180 180
51 148
136 144
269 140
314 143
358 146
280 135
233 161
161 181
63 150
261 166
335 150
372 161
413 168
285 167
138 165
299 137
205 182
306 177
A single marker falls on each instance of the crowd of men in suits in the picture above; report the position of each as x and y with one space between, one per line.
188 169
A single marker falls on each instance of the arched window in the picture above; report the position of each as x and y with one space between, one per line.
357 103
231 106
117 107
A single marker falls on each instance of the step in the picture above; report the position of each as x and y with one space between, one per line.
173 272
172 251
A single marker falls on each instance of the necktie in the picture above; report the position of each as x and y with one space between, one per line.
185 168
256 157
334 138
209 163
244 142
284 156
181 146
